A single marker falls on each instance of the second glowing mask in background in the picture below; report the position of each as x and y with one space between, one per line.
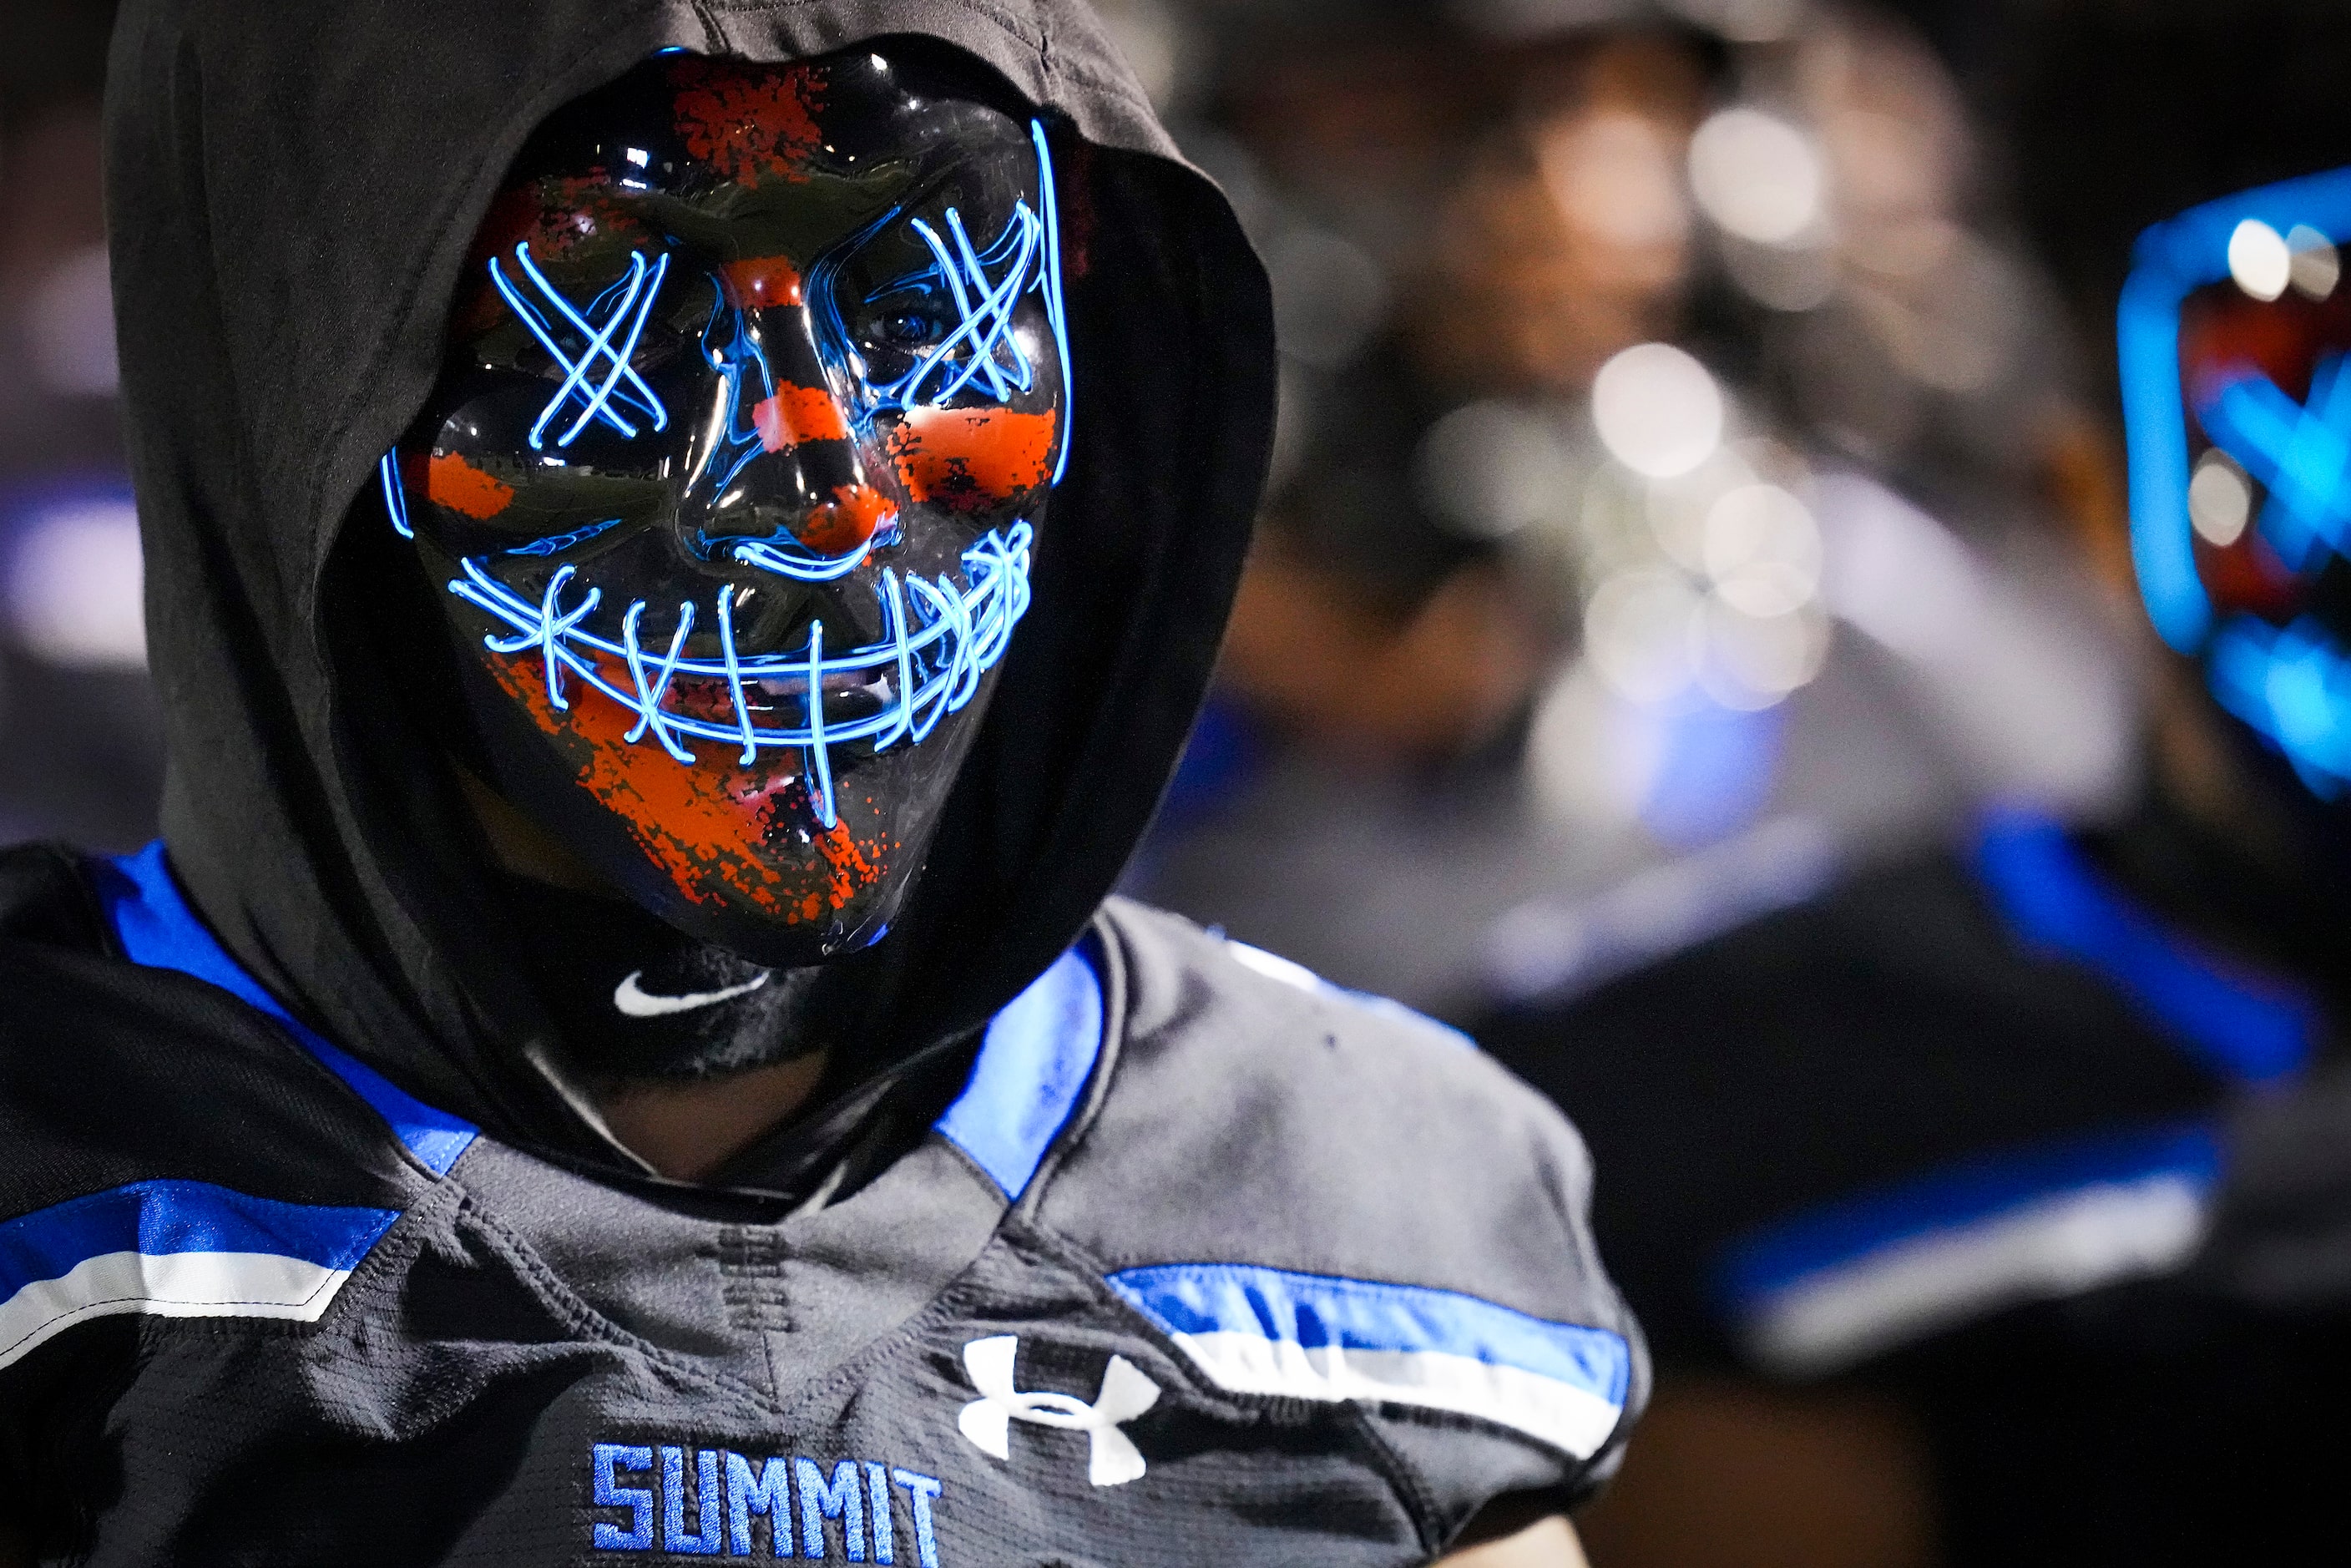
2235 328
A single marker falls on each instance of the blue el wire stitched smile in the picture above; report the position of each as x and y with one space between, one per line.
939 639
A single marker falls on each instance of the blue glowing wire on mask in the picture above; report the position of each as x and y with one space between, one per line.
2291 685
986 291
939 641
395 493
625 306
2301 452
742 443
556 544
1056 307
986 288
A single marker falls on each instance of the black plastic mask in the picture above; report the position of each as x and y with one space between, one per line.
751 409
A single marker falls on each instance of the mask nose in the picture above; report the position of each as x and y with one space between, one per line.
777 453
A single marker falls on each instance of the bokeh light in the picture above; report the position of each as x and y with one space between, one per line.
1658 410
2260 260
73 582
1758 176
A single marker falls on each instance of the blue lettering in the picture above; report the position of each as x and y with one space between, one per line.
674 1535
856 1494
767 1490
638 1500
820 1501
877 1500
920 1490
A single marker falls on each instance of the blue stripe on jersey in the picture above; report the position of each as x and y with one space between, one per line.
1308 1336
1033 1069
1317 1312
2248 1029
158 929
175 1249
159 1218
1833 1286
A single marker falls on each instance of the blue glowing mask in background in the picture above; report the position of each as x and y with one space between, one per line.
2235 327
734 472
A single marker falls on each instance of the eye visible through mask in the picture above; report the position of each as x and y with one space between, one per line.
754 400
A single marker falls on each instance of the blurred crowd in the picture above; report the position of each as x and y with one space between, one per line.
1697 512
1661 513
83 760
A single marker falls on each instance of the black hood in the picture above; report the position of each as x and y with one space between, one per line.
293 191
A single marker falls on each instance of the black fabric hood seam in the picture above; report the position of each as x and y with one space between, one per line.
1411 1487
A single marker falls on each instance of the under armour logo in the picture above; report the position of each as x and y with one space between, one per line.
987 1420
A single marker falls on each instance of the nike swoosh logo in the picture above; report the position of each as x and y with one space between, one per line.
637 1003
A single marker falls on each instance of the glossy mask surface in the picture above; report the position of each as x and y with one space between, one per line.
754 398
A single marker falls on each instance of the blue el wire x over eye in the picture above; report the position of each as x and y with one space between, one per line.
2301 452
625 305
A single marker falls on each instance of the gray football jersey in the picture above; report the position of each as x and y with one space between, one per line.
1208 1262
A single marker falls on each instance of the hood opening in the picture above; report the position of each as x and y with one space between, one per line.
282 276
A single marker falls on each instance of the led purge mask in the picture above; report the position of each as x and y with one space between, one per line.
2235 328
752 406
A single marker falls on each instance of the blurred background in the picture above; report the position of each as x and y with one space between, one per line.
81 760
1663 508
1669 506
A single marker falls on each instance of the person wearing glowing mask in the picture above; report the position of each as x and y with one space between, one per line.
682 546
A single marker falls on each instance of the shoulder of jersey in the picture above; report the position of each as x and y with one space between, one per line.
1278 1171
1258 1089
117 1076
1160 947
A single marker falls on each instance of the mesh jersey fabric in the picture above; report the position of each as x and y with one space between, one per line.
531 1360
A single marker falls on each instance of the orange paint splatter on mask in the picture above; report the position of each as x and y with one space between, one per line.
749 125
559 218
849 869
798 414
450 481
854 515
762 282
555 216
967 457
708 824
